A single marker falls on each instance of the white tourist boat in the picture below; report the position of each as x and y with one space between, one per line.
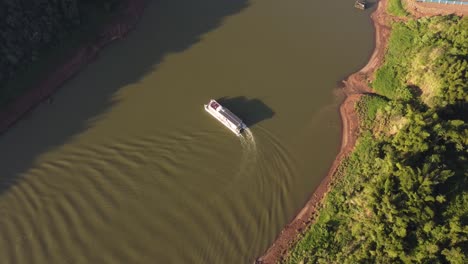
226 117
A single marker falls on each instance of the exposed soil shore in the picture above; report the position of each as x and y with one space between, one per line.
117 29
354 87
306 216
418 9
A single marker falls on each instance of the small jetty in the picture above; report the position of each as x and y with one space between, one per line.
360 4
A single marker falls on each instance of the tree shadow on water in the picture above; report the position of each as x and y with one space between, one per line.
167 26
251 111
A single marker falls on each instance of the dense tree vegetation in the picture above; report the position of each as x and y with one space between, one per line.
28 28
402 195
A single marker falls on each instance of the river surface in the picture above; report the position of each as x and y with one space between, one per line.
125 166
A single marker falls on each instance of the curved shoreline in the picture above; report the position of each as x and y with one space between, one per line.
355 86
117 29
290 233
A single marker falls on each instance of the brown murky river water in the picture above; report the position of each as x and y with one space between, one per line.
126 167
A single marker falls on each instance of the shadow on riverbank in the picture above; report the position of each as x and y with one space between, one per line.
251 111
166 27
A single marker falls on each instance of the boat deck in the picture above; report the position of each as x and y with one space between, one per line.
231 117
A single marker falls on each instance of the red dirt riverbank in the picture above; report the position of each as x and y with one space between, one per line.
418 9
117 29
306 216
354 87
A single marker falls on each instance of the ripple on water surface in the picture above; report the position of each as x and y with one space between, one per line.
109 203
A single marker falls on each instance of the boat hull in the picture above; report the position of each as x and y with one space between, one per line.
224 121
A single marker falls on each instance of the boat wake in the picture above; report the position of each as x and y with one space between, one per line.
267 157
247 140
249 152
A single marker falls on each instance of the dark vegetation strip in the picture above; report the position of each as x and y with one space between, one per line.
36 36
58 59
402 195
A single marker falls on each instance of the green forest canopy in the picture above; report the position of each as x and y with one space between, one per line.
402 195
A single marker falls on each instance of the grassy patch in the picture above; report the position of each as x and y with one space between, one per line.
367 109
387 81
390 78
395 7
425 60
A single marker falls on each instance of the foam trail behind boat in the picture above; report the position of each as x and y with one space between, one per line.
249 152
247 139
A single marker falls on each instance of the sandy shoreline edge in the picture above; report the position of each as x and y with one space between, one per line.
355 86
117 29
